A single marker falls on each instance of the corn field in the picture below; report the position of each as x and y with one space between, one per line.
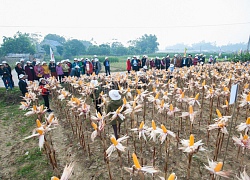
176 124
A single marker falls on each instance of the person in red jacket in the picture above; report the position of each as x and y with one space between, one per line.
89 67
128 65
45 93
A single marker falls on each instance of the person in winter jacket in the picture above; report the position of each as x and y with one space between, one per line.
167 61
59 71
98 66
52 68
46 74
89 67
4 73
163 63
39 71
29 70
6 65
152 63
96 95
157 63
75 71
113 105
128 63
65 68
19 69
45 93
106 64
23 84
134 63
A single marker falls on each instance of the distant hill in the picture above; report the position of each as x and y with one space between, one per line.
206 47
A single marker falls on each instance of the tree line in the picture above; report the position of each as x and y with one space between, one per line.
25 43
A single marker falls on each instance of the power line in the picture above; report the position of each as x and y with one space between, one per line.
128 27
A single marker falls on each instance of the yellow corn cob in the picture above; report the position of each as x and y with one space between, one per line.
99 115
191 111
157 96
245 137
128 89
191 140
248 121
197 96
153 125
51 117
246 86
141 125
138 91
136 162
113 140
172 176
182 95
94 125
124 101
39 131
164 128
218 167
162 103
55 178
134 104
118 110
34 107
226 102
218 113
203 83
41 108
171 108
154 89
248 98
38 123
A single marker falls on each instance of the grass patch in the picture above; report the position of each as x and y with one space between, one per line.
30 166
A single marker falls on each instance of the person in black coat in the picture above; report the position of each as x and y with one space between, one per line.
5 74
167 62
107 66
184 61
22 84
19 69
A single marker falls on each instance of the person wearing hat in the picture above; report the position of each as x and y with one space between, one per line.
23 84
167 61
65 68
106 64
89 67
19 69
39 71
96 95
98 66
75 71
29 70
75 63
5 74
22 62
45 93
128 63
190 60
144 60
6 65
157 63
152 63
52 68
59 71
163 63
195 60
184 61
46 72
211 59
134 63
113 105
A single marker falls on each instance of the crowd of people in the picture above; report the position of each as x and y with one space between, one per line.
36 69
167 62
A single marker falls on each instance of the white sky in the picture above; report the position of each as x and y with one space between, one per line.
172 21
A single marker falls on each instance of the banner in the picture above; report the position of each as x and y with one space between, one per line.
51 55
